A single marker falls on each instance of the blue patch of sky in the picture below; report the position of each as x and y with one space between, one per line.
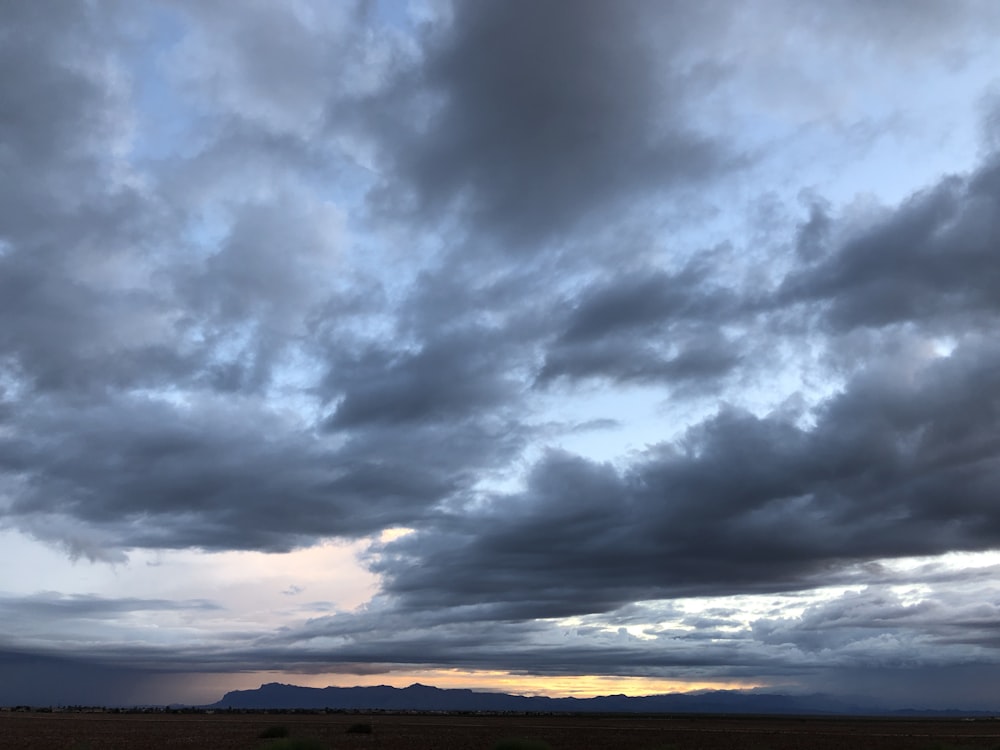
166 125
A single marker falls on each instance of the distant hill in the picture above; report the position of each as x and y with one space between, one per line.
419 697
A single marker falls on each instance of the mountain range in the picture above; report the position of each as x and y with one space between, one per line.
419 697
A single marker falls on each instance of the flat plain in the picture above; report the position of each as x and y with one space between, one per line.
223 731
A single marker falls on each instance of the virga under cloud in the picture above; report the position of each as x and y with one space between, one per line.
640 339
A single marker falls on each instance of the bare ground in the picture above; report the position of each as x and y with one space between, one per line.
82 731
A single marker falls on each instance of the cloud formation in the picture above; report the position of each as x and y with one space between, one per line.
595 327
896 465
529 119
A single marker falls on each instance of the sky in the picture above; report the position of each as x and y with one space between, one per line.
561 347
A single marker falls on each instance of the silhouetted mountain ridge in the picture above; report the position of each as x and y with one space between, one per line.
419 697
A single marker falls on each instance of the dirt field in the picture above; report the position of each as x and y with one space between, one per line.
69 731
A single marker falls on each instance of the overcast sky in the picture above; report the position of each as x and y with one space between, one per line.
553 346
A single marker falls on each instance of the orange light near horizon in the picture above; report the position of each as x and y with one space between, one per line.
577 686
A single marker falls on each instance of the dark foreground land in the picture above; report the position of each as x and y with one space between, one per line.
163 731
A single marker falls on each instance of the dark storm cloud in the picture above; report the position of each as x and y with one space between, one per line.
647 326
62 334
648 298
49 605
122 289
534 118
61 110
134 473
451 378
75 231
933 260
426 387
698 357
896 465
100 281
249 304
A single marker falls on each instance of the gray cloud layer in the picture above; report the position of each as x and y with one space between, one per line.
892 467
531 119
253 306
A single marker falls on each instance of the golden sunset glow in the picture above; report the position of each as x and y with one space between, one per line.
577 686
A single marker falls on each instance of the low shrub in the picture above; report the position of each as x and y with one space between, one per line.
521 744
296 744
272 732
